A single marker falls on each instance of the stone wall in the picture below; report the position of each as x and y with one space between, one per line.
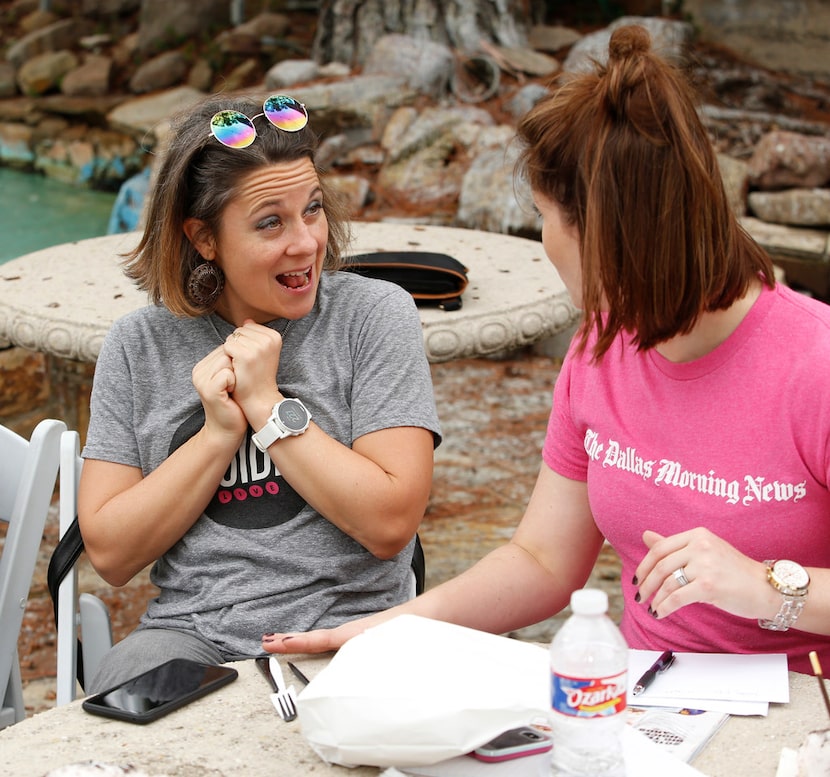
34 386
793 35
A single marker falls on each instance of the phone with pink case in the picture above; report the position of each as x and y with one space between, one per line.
515 743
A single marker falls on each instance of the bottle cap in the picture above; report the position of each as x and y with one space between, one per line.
589 601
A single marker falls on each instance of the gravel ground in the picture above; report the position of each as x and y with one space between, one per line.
493 415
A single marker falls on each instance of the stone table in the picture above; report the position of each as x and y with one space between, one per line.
62 300
235 732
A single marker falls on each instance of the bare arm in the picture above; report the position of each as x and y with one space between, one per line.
522 582
376 491
128 521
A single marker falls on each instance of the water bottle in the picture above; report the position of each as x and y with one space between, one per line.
589 669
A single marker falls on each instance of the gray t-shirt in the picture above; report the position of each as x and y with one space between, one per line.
260 559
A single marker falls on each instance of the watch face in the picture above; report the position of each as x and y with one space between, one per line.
293 415
790 574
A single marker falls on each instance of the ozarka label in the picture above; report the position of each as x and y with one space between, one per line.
592 697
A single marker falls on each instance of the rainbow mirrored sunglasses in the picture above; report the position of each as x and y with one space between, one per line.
235 130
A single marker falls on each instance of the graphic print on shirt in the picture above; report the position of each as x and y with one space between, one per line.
252 494
746 489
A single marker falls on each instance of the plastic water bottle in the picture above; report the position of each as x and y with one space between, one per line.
589 669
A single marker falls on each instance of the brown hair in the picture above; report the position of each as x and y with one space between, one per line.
197 178
623 152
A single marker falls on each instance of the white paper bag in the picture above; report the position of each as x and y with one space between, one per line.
415 691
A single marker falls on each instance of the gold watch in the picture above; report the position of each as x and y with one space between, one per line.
791 581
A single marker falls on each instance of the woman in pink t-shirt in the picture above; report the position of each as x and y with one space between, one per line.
690 424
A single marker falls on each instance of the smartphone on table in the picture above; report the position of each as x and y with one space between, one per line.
515 743
160 690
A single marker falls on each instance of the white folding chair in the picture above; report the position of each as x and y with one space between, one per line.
86 612
28 469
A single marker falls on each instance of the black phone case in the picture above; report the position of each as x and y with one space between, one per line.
175 683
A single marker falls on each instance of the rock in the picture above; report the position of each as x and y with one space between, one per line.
144 116
63 34
242 75
252 36
354 188
425 65
360 101
8 81
162 22
425 168
91 79
95 42
16 147
37 20
791 36
734 175
334 70
160 72
89 157
784 159
671 38
109 7
552 38
488 196
524 99
290 72
201 75
797 207
44 72
533 63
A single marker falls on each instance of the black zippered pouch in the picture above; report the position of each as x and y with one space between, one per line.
431 278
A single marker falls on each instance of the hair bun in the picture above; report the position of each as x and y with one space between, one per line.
628 41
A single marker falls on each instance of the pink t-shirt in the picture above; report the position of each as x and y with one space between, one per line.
736 441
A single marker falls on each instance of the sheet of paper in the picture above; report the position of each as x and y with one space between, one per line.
738 684
643 758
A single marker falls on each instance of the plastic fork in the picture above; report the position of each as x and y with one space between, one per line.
282 697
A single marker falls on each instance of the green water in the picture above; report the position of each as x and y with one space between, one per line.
37 212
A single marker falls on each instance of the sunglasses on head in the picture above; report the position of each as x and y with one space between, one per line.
235 130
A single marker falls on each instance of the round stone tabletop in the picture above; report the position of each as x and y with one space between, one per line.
62 300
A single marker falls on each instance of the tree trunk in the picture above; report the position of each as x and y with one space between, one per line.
347 29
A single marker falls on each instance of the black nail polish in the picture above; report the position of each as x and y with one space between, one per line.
637 597
654 613
635 581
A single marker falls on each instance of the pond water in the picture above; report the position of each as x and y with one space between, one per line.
37 212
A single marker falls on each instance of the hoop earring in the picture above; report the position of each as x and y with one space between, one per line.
205 284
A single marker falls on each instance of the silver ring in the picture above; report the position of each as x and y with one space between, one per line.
680 576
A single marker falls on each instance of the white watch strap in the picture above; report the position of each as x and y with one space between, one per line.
268 435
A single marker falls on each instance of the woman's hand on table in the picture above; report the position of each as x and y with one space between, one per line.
322 640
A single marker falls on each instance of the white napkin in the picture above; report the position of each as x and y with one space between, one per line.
415 691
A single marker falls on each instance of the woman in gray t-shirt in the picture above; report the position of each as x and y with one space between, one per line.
263 432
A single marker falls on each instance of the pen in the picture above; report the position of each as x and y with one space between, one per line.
817 671
298 674
660 665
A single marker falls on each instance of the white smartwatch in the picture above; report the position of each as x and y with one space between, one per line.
792 582
288 418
